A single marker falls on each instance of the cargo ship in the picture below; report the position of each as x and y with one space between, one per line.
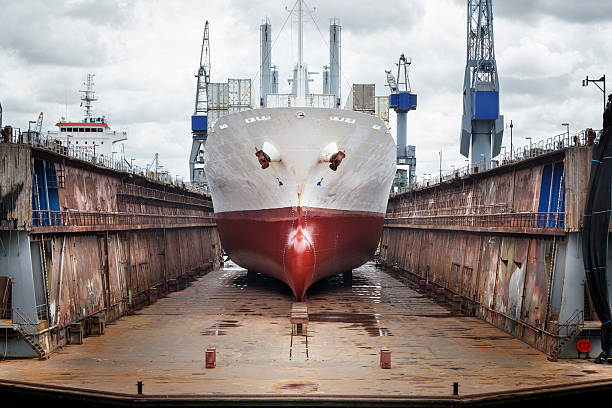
300 192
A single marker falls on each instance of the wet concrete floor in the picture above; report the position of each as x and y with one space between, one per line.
246 319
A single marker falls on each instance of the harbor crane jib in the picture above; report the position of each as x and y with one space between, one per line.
481 125
199 118
402 100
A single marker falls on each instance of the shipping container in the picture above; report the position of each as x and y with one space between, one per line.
239 92
218 95
277 100
382 107
363 97
234 109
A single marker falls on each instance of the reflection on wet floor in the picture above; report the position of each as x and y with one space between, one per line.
330 295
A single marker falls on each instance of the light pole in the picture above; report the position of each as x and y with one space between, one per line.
529 138
511 126
585 82
440 166
567 126
484 163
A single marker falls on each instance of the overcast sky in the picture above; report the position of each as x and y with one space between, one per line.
144 55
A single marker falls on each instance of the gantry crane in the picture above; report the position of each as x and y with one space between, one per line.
481 120
402 100
199 128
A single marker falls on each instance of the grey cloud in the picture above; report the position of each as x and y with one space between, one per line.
74 35
359 16
585 11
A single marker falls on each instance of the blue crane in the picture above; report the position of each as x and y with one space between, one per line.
199 118
481 123
402 100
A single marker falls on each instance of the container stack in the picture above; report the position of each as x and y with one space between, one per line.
226 98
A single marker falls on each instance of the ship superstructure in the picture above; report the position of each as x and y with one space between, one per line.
92 134
300 187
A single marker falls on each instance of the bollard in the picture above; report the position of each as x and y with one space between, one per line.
385 358
211 357
455 388
139 387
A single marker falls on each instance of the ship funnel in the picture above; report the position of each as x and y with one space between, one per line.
266 73
334 59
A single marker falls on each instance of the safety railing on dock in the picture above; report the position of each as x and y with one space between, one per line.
69 218
510 220
58 145
134 190
534 149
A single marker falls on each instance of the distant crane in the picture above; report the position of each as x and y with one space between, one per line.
39 122
199 128
481 120
402 100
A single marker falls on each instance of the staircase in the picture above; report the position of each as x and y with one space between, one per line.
42 354
30 338
574 326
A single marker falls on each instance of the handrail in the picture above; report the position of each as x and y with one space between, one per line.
509 219
46 218
27 321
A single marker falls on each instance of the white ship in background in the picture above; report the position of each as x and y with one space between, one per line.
300 187
92 134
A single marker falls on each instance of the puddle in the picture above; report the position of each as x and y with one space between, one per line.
215 329
368 322
297 386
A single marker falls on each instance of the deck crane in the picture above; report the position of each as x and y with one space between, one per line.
199 126
402 100
481 120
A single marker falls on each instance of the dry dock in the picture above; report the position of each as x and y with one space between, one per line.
246 319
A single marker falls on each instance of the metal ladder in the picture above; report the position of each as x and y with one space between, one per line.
42 354
575 331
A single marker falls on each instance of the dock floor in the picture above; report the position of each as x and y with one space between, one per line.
246 319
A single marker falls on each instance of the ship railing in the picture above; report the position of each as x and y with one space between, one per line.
538 148
70 218
510 220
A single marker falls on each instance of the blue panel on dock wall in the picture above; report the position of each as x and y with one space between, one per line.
486 105
199 123
556 191
544 194
53 194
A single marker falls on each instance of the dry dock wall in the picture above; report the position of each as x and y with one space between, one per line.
508 242
80 242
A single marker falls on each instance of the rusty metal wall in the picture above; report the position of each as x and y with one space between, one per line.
112 272
109 271
15 186
507 277
577 172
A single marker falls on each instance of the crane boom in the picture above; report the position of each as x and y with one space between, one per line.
203 75
199 123
39 123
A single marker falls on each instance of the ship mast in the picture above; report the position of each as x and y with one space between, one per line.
88 96
301 97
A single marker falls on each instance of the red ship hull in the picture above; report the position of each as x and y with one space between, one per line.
299 245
